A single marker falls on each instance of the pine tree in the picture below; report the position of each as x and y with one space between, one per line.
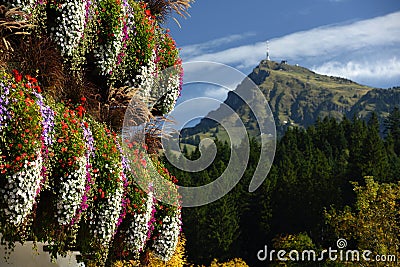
392 124
374 157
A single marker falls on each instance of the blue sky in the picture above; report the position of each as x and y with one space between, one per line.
356 39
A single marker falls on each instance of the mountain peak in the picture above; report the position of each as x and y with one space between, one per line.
296 95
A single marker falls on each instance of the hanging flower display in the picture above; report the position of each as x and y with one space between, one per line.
104 212
68 165
145 79
71 190
136 234
140 47
64 179
20 150
90 157
168 235
110 43
166 219
69 25
20 190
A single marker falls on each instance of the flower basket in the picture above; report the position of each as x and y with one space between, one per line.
19 191
166 236
62 179
167 218
70 192
135 229
99 224
20 155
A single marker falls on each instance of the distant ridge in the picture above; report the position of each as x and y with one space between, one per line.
298 96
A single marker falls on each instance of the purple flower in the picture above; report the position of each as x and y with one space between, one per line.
89 140
47 122
125 168
4 101
89 144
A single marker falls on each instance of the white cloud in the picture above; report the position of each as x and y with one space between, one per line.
206 47
217 93
367 72
317 46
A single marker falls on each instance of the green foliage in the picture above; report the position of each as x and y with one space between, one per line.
313 170
20 129
373 223
139 49
392 124
109 19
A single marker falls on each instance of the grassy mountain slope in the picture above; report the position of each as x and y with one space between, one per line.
381 101
296 96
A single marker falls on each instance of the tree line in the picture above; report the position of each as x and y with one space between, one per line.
319 176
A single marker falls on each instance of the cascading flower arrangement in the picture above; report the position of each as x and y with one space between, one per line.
126 41
110 40
20 152
171 79
153 60
68 163
69 26
90 157
140 47
134 230
165 242
167 221
102 216
65 182
63 177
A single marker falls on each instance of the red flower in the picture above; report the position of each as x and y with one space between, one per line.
148 13
143 162
64 125
28 101
30 79
83 99
81 111
17 76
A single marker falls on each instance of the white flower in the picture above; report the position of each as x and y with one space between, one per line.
70 26
20 191
106 217
70 194
164 246
136 234
145 80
